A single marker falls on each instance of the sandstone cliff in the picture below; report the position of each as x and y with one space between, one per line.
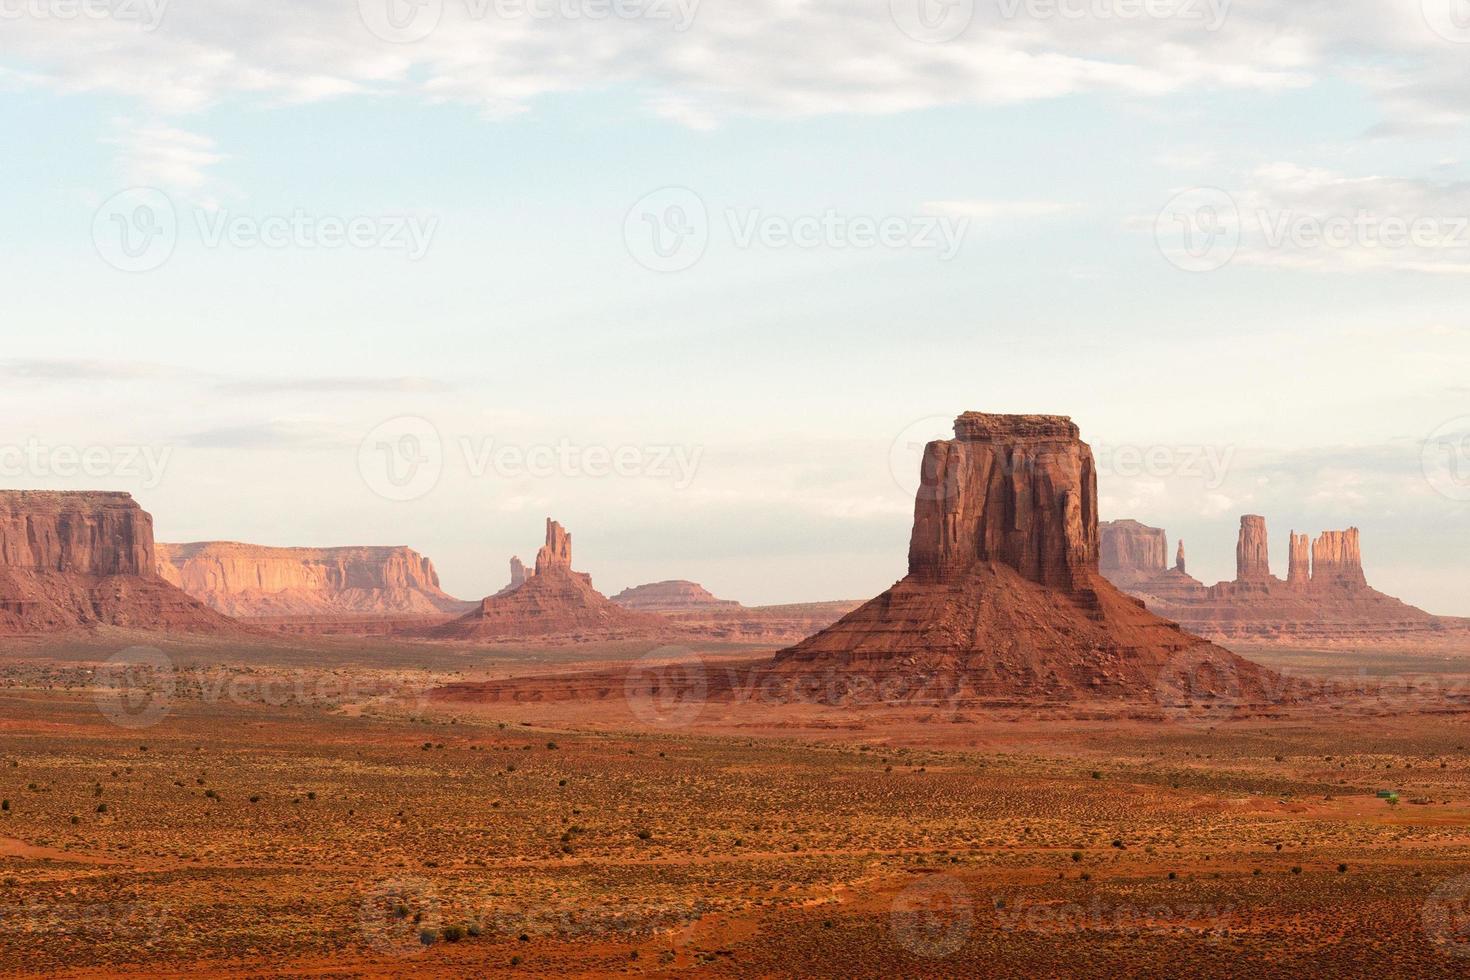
86 559
1130 550
1003 592
248 580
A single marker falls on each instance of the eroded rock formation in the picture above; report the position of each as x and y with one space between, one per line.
85 559
249 580
554 601
1179 558
1003 592
1337 560
1252 555
1299 571
1325 597
1130 550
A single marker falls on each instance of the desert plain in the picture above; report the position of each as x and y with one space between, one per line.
338 810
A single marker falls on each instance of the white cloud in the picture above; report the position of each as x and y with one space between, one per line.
998 211
165 157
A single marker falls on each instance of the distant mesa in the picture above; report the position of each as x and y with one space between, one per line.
85 559
256 581
1325 595
1004 591
676 595
551 600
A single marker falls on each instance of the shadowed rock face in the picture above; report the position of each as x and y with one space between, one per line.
1003 592
86 559
255 580
1016 489
85 533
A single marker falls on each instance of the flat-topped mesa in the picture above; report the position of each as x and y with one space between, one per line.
986 427
89 533
251 580
1179 558
1337 560
1129 550
1299 572
1020 490
557 552
83 559
1252 555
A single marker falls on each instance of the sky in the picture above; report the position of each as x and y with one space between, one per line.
698 279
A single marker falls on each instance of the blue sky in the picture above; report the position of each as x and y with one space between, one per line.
780 375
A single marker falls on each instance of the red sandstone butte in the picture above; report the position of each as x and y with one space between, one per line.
248 580
553 601
1004 592
1325 597
86 559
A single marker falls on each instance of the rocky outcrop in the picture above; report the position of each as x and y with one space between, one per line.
1324 599
555 601
249 580
1003 595
1252 556
86 559
1179 558
676 595
1337 561
1299 571
1016 490
1130 550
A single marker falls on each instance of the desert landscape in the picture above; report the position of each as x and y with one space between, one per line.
237 761
758 490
